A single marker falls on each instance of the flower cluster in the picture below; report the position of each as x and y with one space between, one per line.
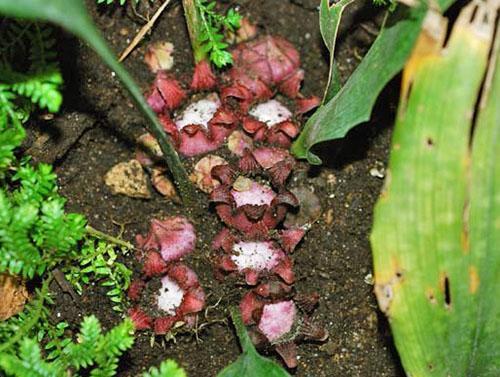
168 291
244 109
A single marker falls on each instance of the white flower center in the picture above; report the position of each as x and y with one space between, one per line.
200 112
271 112
256 194
255 255
170 296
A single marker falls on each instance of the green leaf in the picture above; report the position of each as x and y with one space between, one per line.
250 363
435 235
353 104
329 22
29 362
72 15
168 368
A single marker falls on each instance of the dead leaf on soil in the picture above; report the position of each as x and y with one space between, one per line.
13 296
164 185
309 210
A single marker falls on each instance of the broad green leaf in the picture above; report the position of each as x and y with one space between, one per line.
250 363
436 229
329 22
484 224
353 103
72 15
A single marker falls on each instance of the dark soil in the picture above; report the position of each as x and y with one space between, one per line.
96 130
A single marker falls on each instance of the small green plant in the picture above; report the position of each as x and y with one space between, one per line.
98 262
206 31
213 25
36 233
93 351
36 82
168 368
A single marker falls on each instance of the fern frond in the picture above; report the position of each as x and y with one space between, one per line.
168 368
29 362
39 80
35 232
98 262
212 26
42 89
94 350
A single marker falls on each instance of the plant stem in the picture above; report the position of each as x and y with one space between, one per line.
194 25
241 331
104 236
186 189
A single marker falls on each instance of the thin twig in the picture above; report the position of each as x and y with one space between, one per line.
143 31
107 237
64 284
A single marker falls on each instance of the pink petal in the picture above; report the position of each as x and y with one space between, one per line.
173 237
203 77
248 306
291 86
170 90
140 319
273 289
288 352
135 289
184 276
304 105
163 325
284 270
193 302
290 238
277 319
154 265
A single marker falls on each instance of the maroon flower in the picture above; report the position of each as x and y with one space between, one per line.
280 322
271 121
202 127
251 207
179 298
265 62
172 237
276 162
203 77
251 258
166 93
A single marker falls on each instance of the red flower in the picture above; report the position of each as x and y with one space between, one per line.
172 237
203 77
166 93
251 258
251 207
140 319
